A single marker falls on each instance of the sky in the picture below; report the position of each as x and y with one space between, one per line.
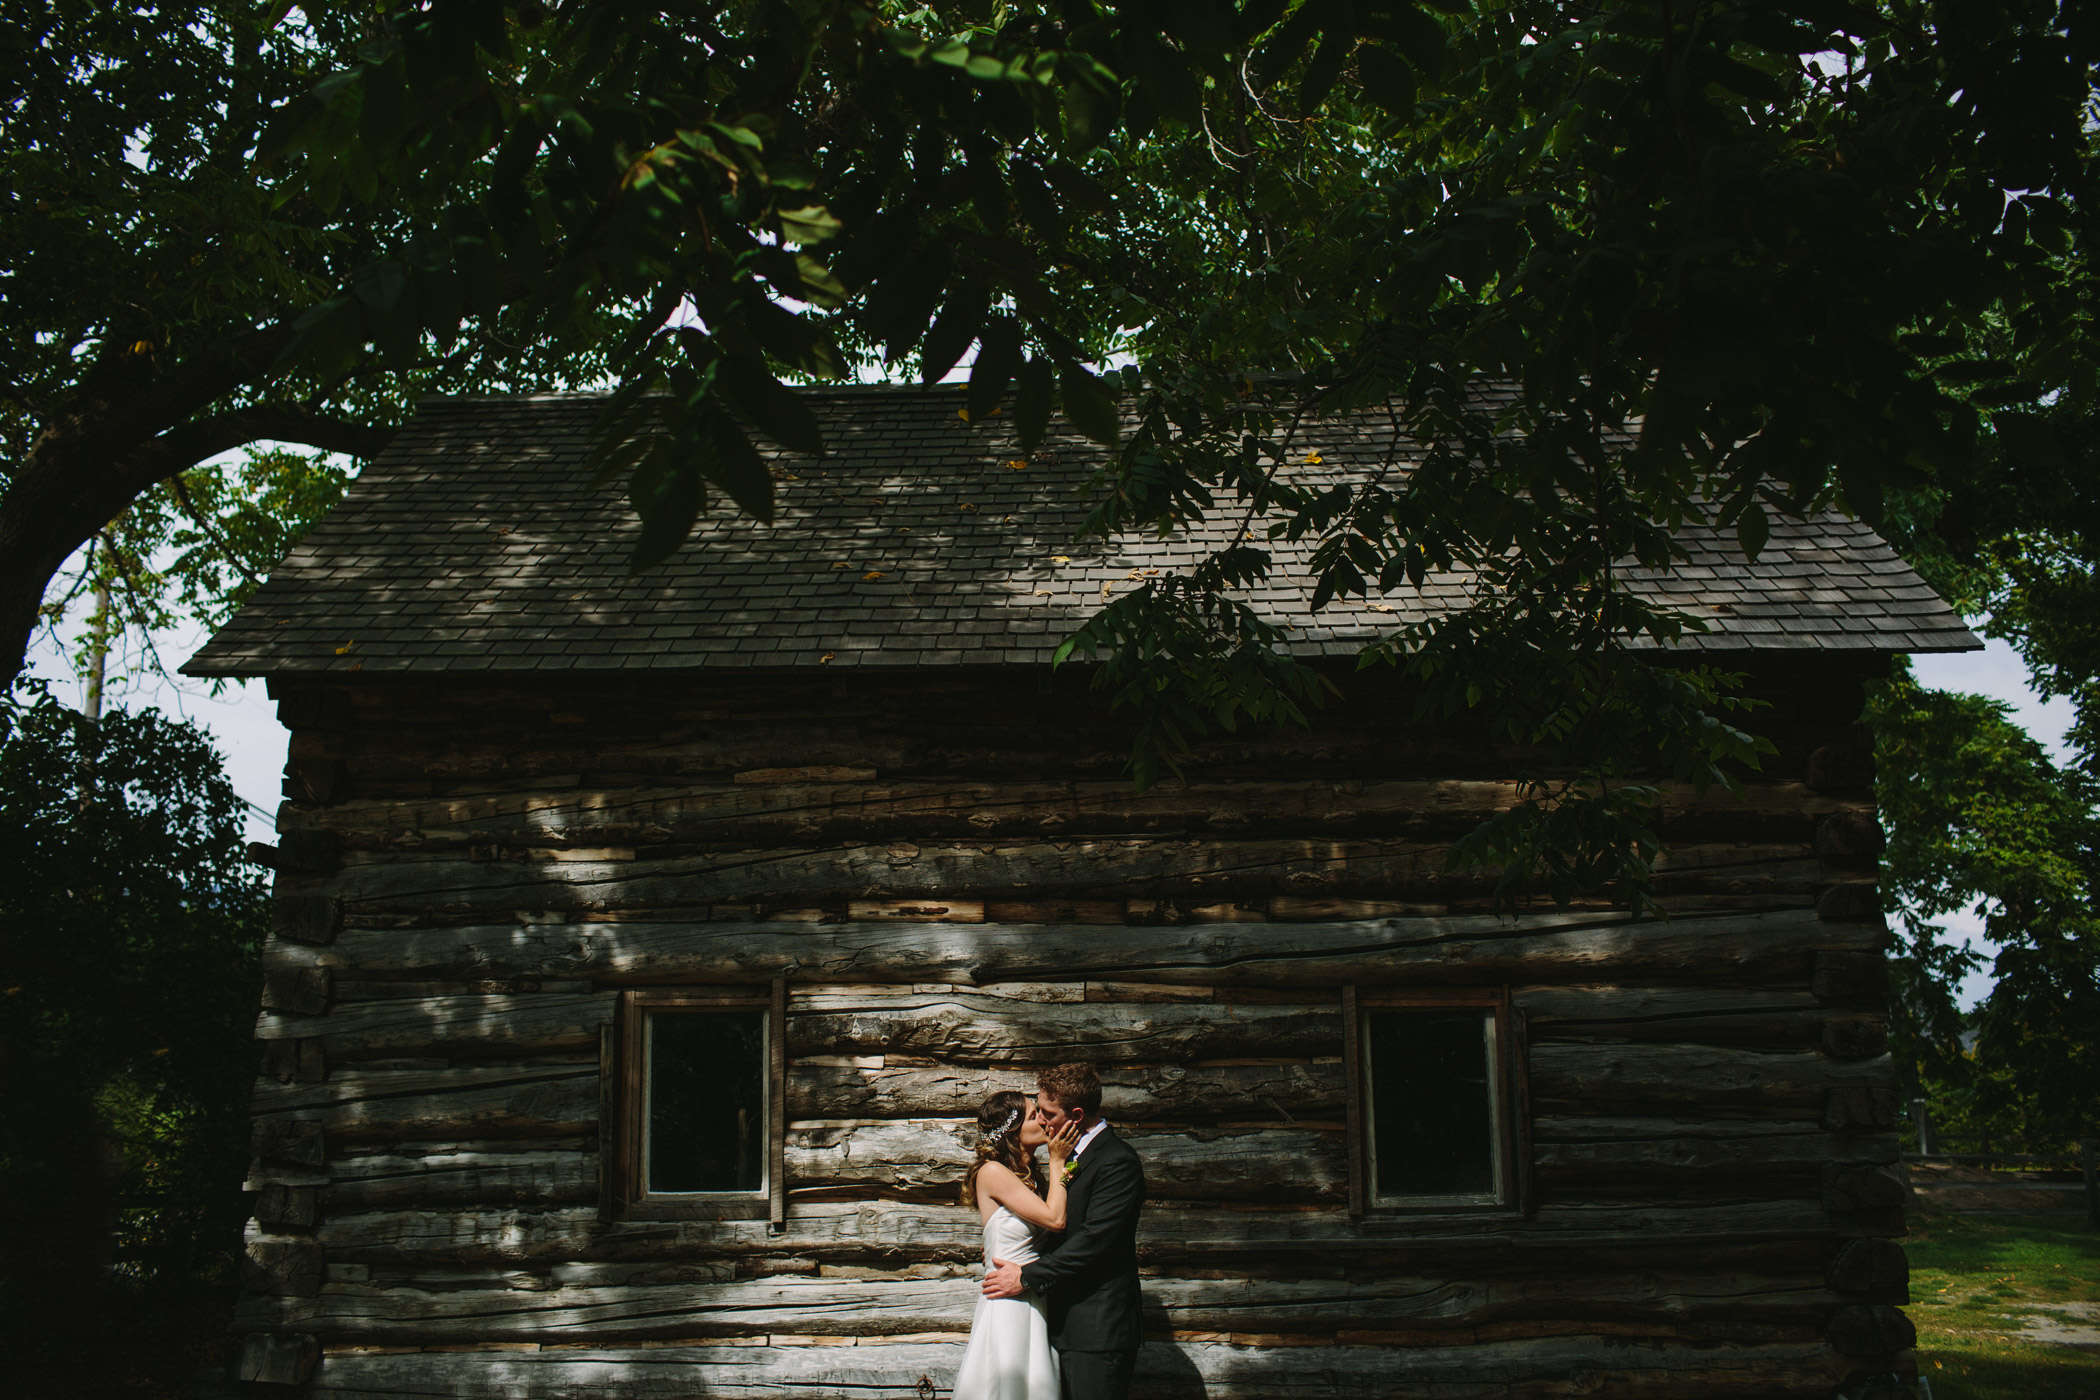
1996 671
241 717
244 721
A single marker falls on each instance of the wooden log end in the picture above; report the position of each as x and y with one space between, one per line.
1850 838
1845 975
1853 1108
278 1358
1849 1187
294 1268
1878 1268
1852 902
1855 1037
1842 770
300 853
281 1208
294 1061
310 919
316 781
314 709
1866 1333
289 1142
302 991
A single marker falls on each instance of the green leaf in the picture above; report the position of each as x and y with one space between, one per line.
379 285
1037 204
618 457
1740 78
1284 44
619 429
738 135
1033 398
1930 345
1163 76
327 185
290 129
1079 189
2030 440
730 461
326 337
953 330
1777 34
666 492
1090 406
810 224
1753 529
791 339
902 301
1092 102
783 415
998 356
819 286
1421 39
1326 66
1973 371
1388 80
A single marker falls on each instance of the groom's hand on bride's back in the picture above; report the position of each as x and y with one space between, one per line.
1003 1280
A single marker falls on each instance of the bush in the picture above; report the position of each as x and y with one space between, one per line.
131 924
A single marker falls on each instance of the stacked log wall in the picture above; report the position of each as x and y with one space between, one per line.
960 887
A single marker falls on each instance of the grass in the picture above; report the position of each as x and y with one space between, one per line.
1976 1279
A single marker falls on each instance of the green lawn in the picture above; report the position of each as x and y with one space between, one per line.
1978 1280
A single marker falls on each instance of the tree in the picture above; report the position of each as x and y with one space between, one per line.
130 944
190 549
2016 541
154 276
1979 818
1729 259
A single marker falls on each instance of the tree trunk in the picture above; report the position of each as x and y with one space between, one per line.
133 427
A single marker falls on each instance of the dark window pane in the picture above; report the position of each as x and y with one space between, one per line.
1432 1110
707 1101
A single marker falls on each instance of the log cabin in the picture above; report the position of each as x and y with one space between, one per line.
643 944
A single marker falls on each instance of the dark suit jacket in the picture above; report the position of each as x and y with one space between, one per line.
1090 1272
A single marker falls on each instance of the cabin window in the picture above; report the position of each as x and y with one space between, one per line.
1432 1100
701 1120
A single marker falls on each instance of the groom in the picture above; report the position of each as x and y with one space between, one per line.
1090 1272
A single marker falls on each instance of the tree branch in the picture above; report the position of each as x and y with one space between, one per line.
210 529
76 480
194 443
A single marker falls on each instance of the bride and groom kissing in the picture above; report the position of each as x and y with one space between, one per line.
1060 1301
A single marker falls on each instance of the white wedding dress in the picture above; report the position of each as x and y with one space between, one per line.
1009 1356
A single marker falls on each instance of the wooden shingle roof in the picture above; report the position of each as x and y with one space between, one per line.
473 545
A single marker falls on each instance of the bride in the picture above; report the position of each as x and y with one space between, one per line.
1009 1356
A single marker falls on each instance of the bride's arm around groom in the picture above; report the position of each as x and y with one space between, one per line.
1090 1273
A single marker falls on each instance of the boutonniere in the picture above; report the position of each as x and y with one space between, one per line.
1071 1170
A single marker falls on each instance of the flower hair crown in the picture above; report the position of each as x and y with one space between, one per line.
1001 1131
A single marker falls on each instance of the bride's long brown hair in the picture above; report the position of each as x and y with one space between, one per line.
999 1140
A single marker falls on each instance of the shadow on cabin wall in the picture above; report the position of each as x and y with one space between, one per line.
1164 1371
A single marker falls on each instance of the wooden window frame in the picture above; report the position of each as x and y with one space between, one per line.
1512 1100
623 1194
